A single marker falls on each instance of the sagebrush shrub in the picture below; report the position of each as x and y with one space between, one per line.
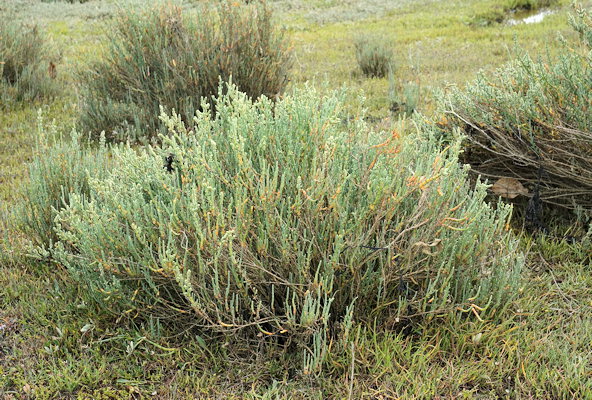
27 68
59 168
532 121
164 57
375 58
278 219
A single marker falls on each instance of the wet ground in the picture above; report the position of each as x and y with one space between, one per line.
529 17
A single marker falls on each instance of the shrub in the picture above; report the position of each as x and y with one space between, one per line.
374 56
279 220
59 169
163 57
26 63
532 121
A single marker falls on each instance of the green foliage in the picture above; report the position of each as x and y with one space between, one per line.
27 70
57 170
375 58
404 99
162 57
530 5
46 342
65 1
533 116
495 15
278 219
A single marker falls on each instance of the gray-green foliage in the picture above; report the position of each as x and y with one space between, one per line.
169 57
26 72
59 168
403 98
267 221
375 57
533 117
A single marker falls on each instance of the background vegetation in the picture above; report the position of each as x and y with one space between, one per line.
164 58
374 57
27 64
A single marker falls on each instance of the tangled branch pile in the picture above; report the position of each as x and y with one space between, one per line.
531 118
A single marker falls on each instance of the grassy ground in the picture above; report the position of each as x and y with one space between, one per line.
54 346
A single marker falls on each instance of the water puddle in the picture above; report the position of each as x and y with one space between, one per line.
529 17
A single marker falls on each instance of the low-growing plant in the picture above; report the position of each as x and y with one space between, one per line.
279 220
375 58
164 57
531 121
403 99
27 68
60 167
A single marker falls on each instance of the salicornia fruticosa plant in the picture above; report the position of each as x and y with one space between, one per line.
532 121
278 218
59 168
171 58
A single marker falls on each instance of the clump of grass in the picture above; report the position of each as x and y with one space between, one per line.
163 57
531 121
27 69
275 219
375 58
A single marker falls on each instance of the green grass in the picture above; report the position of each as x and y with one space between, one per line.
54 346
433 43
58 346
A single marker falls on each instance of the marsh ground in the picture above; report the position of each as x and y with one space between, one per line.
54 346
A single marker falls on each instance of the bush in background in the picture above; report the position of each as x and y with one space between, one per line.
375 58
532 121
163 57
27 69
59 169
278 220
